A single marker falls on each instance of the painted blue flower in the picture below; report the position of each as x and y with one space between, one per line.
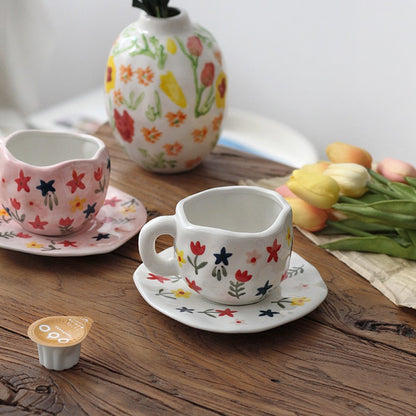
101 236
46 187
90 210
261 291
269 312
222 257
185 309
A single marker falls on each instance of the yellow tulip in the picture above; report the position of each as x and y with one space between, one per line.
317 189
316 167
351 178
339 152
307 216
171 88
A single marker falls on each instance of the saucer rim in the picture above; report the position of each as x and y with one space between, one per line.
306 309
85 251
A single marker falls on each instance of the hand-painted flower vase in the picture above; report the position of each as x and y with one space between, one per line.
165 92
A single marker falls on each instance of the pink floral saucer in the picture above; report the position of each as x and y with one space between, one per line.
120 218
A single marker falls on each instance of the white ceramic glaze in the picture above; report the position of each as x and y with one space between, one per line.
53 183
300 292
232 244
165 92
120 218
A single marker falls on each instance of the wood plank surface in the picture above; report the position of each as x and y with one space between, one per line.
354 355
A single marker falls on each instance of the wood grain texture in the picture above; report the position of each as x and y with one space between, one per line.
353 355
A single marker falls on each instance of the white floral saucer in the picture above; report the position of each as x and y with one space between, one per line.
300 293
120 218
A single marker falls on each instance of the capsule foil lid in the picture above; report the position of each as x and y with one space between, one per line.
60 331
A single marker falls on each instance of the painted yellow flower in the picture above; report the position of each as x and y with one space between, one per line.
289 236
110 76
77 203
300 301
3 213
180 293
171 88
171 46
127 210
220 90
180 257
34 244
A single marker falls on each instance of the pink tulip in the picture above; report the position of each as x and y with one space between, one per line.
285 191
395 170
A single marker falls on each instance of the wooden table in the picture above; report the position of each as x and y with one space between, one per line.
354 355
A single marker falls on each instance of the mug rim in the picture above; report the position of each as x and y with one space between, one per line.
39 132
275 226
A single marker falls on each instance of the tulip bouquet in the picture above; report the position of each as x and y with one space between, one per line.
375 208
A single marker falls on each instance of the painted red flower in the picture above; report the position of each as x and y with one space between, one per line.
38 224
243 276
22 181
109 74
222 88
76 181
194 46
67 243
124 125
112 202
273 251
66 222
23 235
160 279
225 312
98 174
207 74
15 203
197 249
193 285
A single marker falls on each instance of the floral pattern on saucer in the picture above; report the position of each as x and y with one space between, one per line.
300 292
120 218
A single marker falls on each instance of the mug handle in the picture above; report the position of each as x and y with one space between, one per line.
147 239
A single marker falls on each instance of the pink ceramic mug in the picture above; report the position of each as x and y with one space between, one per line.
53 183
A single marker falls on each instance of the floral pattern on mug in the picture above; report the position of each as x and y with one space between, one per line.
221 260
220 265
198 250
120 219
48 190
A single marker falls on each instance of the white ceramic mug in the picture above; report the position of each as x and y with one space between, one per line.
232 244
53 183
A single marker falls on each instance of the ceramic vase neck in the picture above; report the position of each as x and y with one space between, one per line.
165 26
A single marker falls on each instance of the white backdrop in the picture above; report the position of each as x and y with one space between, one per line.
335 70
